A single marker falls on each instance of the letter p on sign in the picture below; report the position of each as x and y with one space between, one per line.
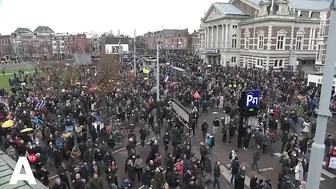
28 175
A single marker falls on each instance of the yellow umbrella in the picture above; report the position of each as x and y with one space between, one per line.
77 83
66 135
145 71
27 130
84 86
8 124
118 83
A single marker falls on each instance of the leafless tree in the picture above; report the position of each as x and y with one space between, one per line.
109 74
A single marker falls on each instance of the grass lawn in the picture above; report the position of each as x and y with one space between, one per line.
4 81
9 74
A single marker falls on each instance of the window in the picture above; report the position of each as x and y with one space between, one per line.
234 41
181 40
259 62
179 35
323 27
233 59
247 40
298 45
280 42
234 26
319 52
261 42
172 40
278 63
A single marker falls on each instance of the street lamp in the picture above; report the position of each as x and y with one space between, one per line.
157 82
323 113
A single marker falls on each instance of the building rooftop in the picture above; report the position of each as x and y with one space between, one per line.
7 165
303 4
22 30
174 32
227 9
43 29
194 34
115 40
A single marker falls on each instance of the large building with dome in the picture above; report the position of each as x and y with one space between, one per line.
268 34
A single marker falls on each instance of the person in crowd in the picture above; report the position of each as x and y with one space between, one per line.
217 172
298 171
256 158
254 181
77 122
239 182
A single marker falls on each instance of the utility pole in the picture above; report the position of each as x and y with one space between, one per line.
134 56
157 82
323 113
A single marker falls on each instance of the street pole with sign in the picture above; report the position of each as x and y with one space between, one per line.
248 105
318 147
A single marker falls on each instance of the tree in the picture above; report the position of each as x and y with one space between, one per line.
110 76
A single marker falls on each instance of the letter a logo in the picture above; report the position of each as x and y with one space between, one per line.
27 176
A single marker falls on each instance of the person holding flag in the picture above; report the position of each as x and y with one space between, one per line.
166 78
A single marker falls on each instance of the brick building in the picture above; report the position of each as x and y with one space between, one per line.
5 45
170 39
64 43
255 33
30 44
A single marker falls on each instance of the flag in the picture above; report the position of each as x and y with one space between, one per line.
153 90
41 104
33 99
166 78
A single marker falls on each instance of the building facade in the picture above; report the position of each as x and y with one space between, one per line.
5 45
194 40
67 44
275 34
117 44
170 39
29 44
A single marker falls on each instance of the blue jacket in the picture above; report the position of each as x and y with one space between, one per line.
37 120
127 185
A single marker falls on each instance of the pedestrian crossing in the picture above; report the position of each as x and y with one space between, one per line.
227 175
325 174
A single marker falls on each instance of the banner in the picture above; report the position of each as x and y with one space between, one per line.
332 163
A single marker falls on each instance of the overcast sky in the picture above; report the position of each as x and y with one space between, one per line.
77 16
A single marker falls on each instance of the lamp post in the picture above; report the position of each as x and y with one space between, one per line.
323 113
157 81
134 56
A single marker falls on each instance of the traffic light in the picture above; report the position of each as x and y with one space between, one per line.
249 112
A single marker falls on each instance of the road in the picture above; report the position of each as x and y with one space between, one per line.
20 65
268 164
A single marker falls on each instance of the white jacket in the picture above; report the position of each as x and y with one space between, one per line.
306 127
297 172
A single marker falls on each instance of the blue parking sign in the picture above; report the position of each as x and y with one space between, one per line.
252 99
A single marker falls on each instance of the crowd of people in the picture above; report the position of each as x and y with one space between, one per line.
69 122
